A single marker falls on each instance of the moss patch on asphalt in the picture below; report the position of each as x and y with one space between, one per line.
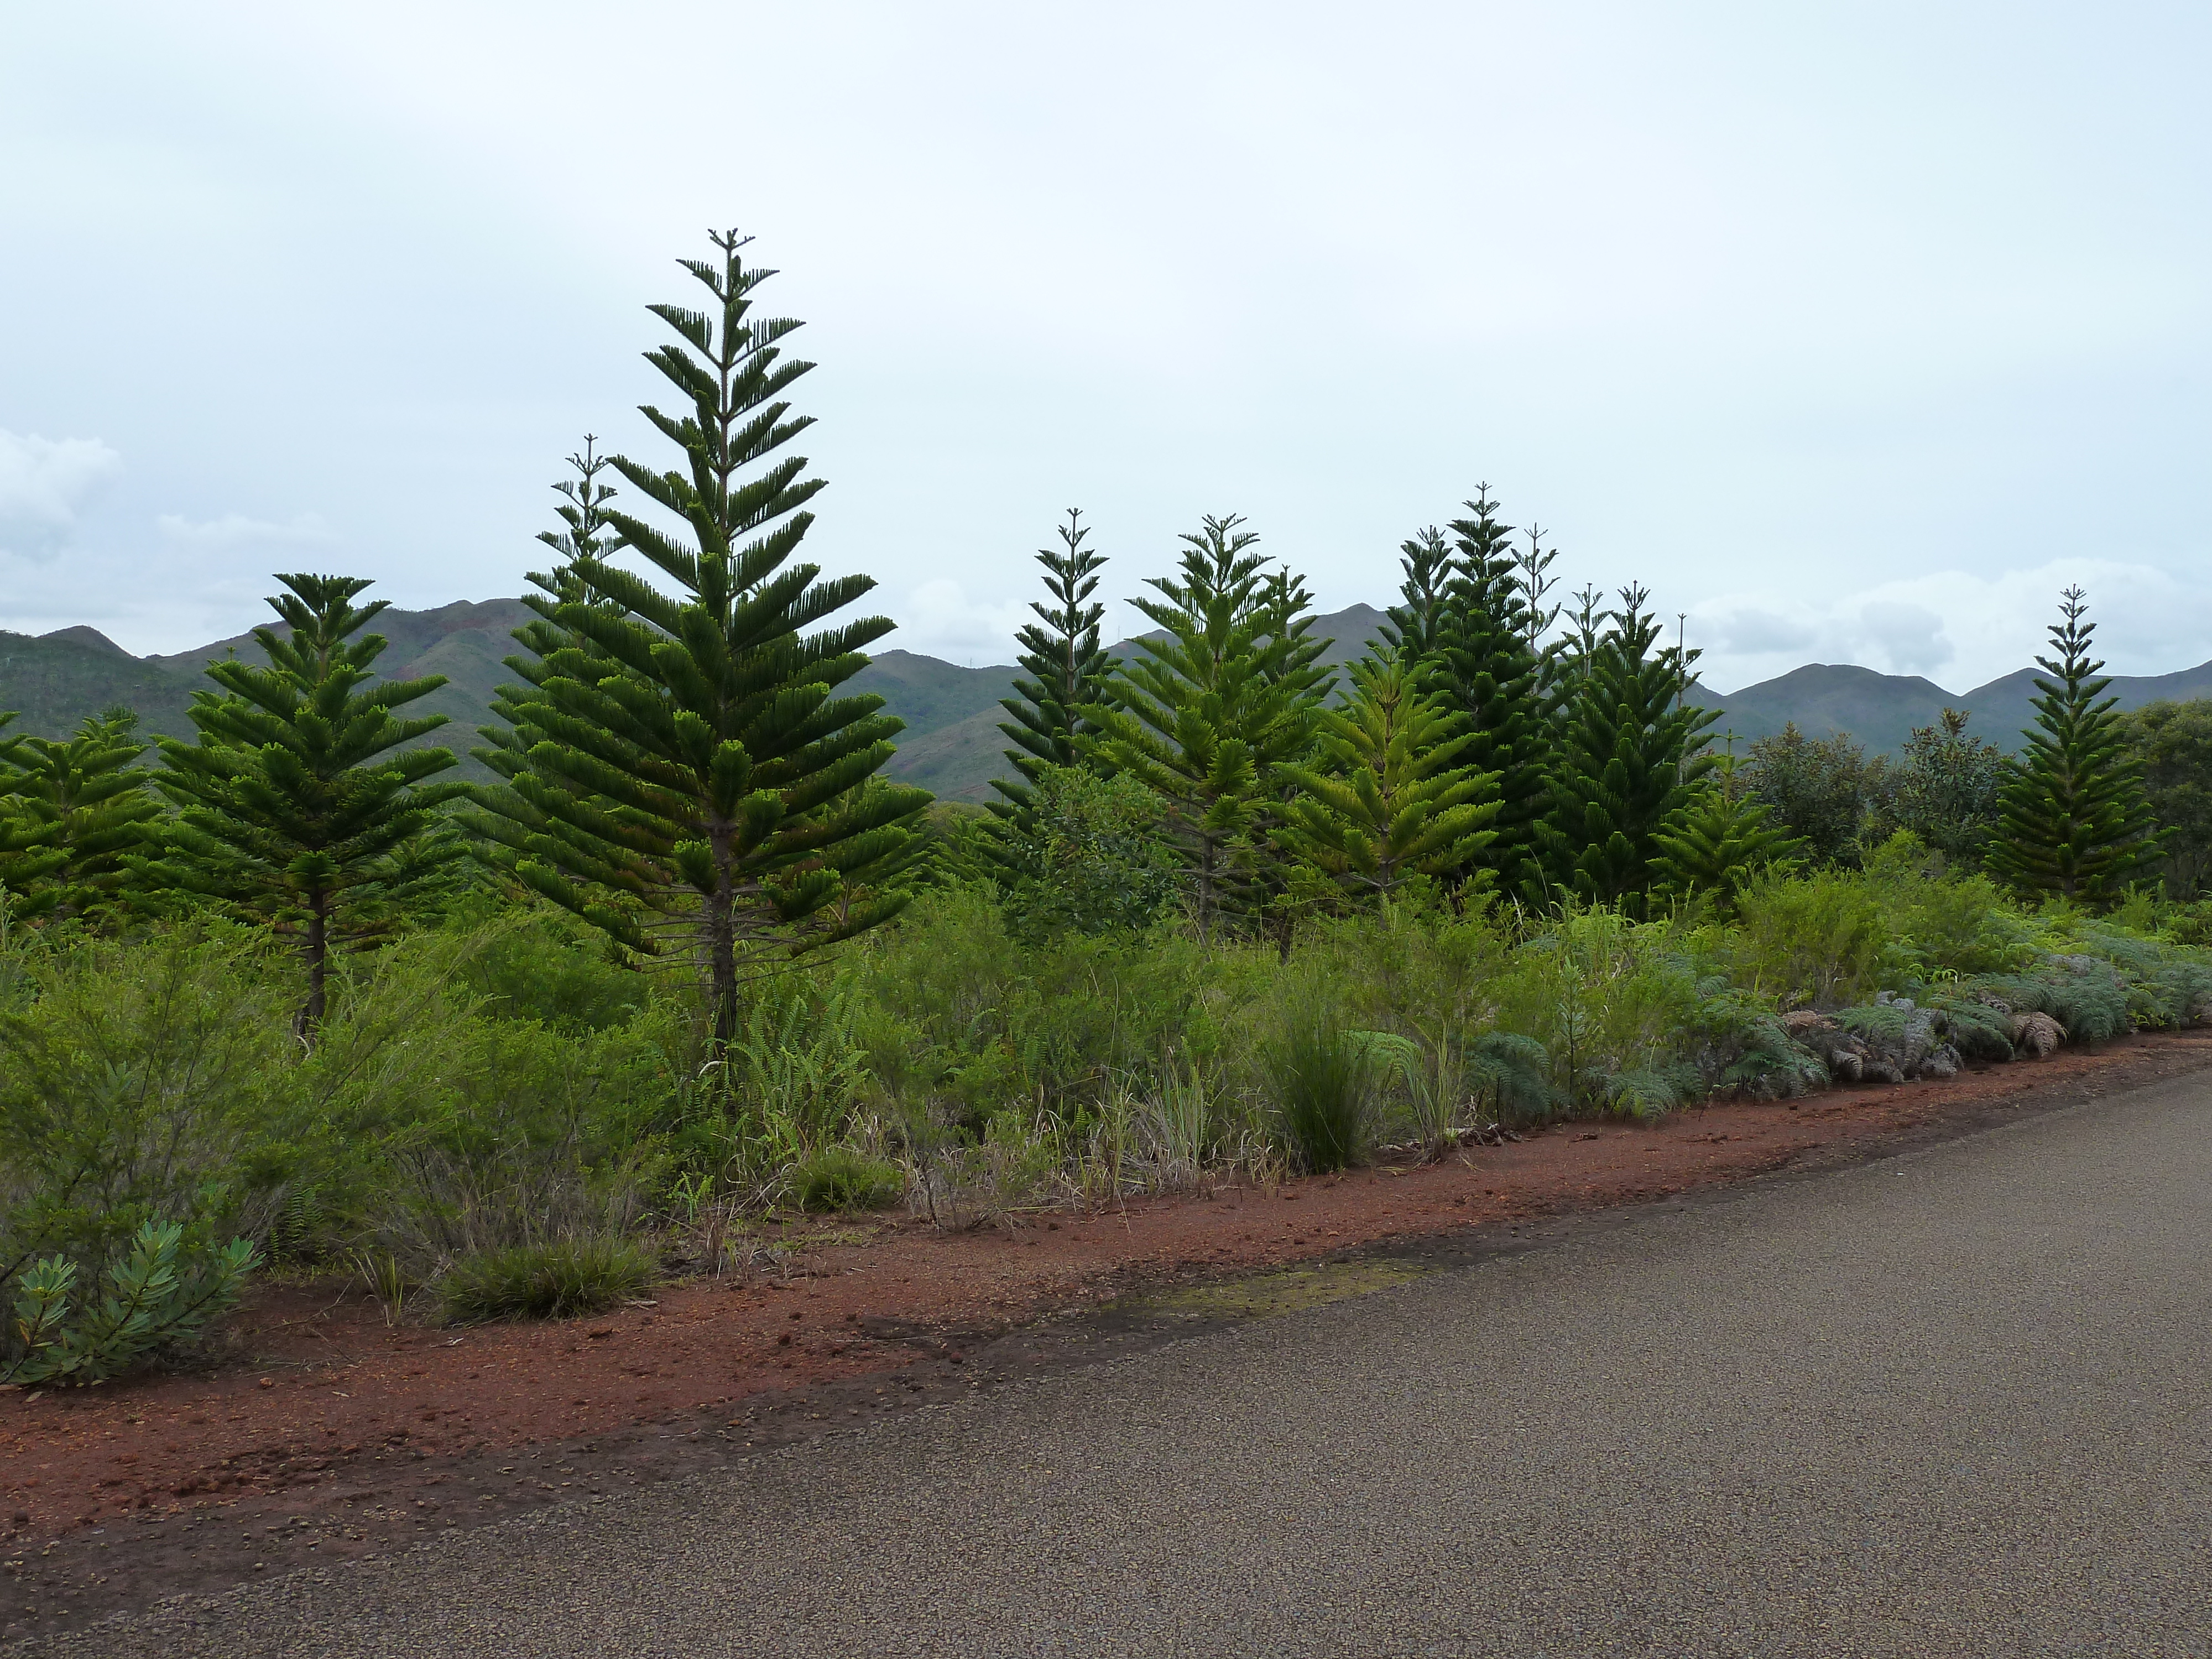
1265 1296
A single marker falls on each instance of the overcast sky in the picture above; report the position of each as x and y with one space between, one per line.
1854 331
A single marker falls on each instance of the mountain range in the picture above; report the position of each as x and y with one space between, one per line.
951 744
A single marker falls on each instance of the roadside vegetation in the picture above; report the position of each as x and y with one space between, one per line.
290 997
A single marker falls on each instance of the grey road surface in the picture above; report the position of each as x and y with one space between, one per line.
1952 1403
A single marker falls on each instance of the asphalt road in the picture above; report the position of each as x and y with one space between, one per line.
1956 1402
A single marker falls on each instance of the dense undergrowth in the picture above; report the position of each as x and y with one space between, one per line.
497 1118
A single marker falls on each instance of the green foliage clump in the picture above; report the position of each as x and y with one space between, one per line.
2169 744
530 966
1945 789
1812 940
2085 994
1820 789
1720 839
144 1082
554 1278
1610 1002
838 1178
161 1294
1085 854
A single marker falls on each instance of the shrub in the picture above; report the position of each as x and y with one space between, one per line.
554 1278
161 1295
538 968
524 1132
148 1083
839 1178
1089 854
1611 1003
1814 939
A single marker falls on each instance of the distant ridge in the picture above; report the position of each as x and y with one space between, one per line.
1880 710
951 744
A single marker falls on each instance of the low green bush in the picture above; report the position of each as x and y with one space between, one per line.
1813 940
844 1178
161 1295
554 1278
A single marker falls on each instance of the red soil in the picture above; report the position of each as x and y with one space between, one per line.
323 1405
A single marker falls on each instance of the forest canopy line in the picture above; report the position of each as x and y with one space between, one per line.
678 952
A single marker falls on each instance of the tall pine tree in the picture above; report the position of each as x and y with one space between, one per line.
1491 676
1206 714
299 806
680 763
1629 755
2072 819
1066 669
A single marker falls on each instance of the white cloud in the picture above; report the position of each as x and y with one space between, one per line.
1971 628
236 529
1756 631
939 620
1912 636
43 483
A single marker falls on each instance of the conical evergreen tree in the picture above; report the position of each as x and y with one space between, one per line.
1719 839
1206 714
1415 624
682 761
1066 669
298 806
1629 757
1388 796
1490 674
584 534
73 810
2073 820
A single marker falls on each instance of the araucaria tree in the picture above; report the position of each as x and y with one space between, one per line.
1065 665
1389 795
299 805
680 763
2073 820
71 811
1412 624
1719 840
1490 672
1206 714
1629 757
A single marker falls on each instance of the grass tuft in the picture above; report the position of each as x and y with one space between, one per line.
1321 1077
844 1178
557 1279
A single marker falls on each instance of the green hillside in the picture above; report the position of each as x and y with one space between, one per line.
952 745
1880 710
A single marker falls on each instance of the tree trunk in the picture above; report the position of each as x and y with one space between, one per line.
316 950
722 943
